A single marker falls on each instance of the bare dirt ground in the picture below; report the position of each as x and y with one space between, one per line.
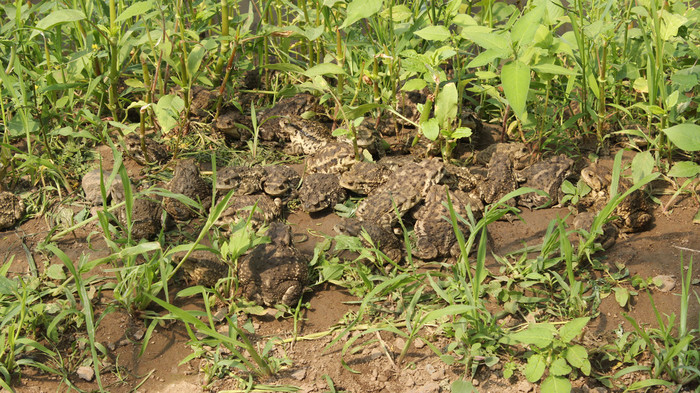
647 254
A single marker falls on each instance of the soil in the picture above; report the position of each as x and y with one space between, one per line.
160 369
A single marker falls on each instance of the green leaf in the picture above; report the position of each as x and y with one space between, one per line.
433 33
540 335
553 69
135 9
285 67
685 136
524 29
622 296
576 355
168 111
462 386
431 129
324 69
58 17
573 328
414 84
486 38
553 384
684 169
55 272
515 77
535 367
360 9
647 383
559 367
488 56
642 165
446 105
461 132
194 60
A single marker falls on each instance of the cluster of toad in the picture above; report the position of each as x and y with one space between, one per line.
393 187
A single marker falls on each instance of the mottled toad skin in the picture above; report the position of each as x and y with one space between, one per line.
633 212
405 189
289 106
240 206
274 273
228 123
363 177
203 268
383 239
155 151
547 176
320 191
244 180
280 180
500 180
11 209
334 158
305 136
146 212
517 152
187 181
433 230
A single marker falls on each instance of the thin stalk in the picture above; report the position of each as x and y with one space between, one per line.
113 53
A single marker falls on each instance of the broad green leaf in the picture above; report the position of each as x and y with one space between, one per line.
399 13
56 18
461 132
433 33
573 328
622 296
559 367
455 309
685 136
431 129
136 9
168 110
684 169
285 67
576 355
488 56
524 29
446 105
360 9
324 69
486 38
539 335
194 60
515 77
642 165
414 84
535 367
462 386
553 69
553 384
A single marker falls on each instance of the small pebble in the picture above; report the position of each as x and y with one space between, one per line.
86 373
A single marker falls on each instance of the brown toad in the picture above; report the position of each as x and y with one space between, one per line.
363 177
202 100
383 239
633 212
305 136
240 207
334 158
433 230
230 122
280 180
320 191
243 180
11 209
155 152
274 273
297 105
546 175
404 189
462 178
187 181
146 212
500 180
517 152
203 267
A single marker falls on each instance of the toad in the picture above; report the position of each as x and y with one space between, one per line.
320 191
188 182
